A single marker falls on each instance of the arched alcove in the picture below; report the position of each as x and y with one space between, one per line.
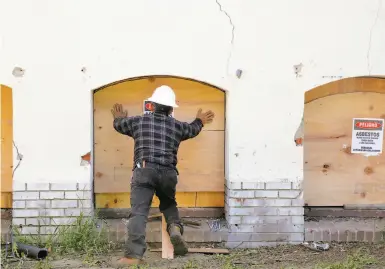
333 176
201 161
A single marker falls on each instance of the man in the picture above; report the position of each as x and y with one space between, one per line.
157 138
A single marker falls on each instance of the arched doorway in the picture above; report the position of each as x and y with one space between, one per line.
333 176
201 160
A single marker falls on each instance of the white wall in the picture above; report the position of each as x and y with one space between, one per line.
54 40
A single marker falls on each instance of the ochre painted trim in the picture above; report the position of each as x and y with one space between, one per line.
6 200
347 85
6 143
210 199
184 199
154 77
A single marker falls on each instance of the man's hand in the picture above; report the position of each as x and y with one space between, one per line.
118 112
206 117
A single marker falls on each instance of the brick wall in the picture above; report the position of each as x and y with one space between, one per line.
38 208
264 214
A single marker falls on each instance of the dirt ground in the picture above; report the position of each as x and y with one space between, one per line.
339 256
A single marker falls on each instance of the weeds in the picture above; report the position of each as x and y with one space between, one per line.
191 264
81 237
355 261
227 261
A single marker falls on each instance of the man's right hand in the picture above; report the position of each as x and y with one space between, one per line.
206 117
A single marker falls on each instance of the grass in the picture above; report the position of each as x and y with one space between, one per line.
356 261
80 238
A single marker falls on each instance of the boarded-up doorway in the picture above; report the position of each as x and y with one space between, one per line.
200 160
332 175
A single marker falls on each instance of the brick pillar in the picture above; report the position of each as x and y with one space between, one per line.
264 214
38 208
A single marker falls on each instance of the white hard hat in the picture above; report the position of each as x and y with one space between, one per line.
163 95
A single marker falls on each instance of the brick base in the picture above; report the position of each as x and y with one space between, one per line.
264 214
38 208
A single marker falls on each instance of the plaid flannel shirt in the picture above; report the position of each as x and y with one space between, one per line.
157 136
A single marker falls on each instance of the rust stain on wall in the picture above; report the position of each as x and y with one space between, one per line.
85 159
299 134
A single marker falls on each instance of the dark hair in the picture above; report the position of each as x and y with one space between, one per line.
162 108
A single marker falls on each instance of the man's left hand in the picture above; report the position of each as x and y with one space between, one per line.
118 112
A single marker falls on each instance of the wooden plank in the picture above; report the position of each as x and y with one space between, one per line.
6 200
6 142
201 250
122 200
347 85
201 160
167 247
210 199
332 175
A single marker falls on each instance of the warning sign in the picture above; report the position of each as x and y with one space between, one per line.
147 107
367 135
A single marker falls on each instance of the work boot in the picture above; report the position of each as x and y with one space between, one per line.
180 246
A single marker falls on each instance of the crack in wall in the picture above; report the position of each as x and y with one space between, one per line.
370 37
19 157
232 34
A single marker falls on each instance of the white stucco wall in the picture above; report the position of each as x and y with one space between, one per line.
113 40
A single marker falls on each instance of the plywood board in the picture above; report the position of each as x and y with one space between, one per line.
201 160
201 164
332 175
122 200
190 96
184 199
6 142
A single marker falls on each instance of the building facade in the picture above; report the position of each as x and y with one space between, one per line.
264 55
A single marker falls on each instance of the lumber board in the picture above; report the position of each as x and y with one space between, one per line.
201 250
167 247
6 200
201 160
200 164
332 175
6 141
